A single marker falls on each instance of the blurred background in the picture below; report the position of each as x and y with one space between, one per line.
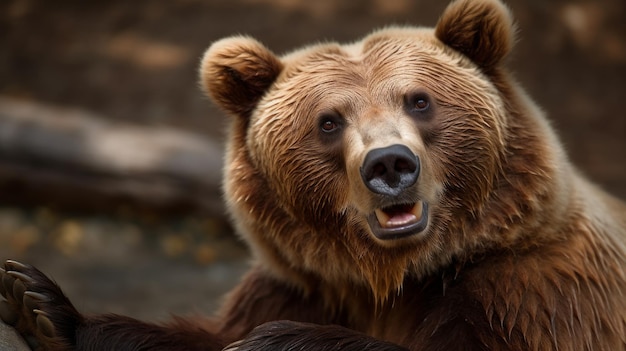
110 156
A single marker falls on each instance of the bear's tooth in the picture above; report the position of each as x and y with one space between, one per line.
382 217
417 210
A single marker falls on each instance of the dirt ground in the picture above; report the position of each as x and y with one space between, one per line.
136 62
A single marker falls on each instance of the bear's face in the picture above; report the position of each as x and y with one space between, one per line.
376 131
373 150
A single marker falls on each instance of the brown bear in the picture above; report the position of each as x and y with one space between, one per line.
400 192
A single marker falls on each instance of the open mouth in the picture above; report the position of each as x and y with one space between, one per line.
399 221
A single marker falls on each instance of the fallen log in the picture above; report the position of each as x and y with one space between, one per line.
72 158
10 340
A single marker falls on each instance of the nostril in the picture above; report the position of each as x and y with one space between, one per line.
379 170
404 166
390 170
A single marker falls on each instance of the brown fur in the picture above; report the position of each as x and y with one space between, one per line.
520 251
510 214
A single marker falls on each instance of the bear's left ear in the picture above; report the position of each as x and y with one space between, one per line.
482 30
236 72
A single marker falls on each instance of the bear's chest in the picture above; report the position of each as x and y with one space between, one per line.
436 308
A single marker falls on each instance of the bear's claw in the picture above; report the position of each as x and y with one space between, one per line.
45 324
36 307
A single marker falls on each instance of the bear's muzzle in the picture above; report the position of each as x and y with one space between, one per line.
390 170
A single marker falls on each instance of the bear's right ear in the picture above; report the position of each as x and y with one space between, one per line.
482 30
236 72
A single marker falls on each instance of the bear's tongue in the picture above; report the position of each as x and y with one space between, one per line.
399 215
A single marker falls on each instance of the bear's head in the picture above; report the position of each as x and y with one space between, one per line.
389 157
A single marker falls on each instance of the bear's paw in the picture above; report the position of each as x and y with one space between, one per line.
290 335
37 308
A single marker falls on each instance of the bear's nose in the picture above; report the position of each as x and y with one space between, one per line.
389 170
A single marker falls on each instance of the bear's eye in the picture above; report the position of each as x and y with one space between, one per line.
421 104
417 103
329 126
330 123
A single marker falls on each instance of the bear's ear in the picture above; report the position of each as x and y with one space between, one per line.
482 30
236 72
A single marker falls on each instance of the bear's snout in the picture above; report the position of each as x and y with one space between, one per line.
390 170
